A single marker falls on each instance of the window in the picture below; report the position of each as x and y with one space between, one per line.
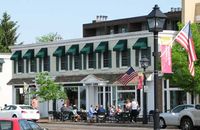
46 66
124 61
20 66
147 53
123 58
91 60
105 59
76 62
6 125
1 66
141 53
33 64
63 62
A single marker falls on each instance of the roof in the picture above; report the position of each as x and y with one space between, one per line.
111 78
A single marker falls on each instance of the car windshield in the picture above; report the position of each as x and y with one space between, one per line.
180 108
5 125
26 107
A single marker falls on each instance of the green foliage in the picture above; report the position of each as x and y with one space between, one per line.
181 76
8 36
49 38
48 89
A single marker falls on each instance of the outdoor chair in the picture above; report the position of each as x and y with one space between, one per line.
101 117
150 116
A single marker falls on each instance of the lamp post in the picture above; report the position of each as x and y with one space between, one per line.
144 64
156 20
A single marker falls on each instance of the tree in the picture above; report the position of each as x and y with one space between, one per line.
8 35
181 76
49 38
48 89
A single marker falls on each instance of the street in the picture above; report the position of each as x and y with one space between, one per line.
62 126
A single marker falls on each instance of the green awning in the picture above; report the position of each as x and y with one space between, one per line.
16 56
2 61
141 43
88 48
73 50
29 54
121 45
102 47
42 53
60 51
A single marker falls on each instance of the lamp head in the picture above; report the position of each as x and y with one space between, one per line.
156 20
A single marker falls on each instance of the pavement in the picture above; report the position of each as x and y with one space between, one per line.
107 123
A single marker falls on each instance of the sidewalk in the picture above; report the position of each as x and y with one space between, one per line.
113 124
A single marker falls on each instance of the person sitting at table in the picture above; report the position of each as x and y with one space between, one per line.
91 114
76 116
118 112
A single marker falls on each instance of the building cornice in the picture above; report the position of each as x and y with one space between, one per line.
89 40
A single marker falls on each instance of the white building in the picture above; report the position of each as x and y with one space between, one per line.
6 91
88 68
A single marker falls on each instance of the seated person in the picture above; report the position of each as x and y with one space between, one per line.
101 110
75 114
91 113
111 111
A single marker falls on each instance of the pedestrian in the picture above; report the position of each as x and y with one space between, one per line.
128 106
34 102
134 111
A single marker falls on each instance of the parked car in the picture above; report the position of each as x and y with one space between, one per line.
19 124
20 111
190 118
172 117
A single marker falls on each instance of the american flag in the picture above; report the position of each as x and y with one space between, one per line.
184 38
128 76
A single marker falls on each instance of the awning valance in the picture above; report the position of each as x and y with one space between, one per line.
121 45
29 54
87 49
42 53
60 51
73 50
102 47
141 43
16 55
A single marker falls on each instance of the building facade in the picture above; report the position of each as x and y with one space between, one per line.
6 75
88 68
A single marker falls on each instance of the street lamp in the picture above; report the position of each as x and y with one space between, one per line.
156 20
144 64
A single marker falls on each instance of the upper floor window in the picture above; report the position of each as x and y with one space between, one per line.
76 62
89 57
33 65
1 64
18 61
91 60
46 65
122 54
141 50
44 60
20 66
63 60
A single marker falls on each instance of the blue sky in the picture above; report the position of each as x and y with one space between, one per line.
66 17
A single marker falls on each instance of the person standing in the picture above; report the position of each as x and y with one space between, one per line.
134 110
34 102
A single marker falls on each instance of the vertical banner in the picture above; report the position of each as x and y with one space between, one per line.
140 81
166 54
